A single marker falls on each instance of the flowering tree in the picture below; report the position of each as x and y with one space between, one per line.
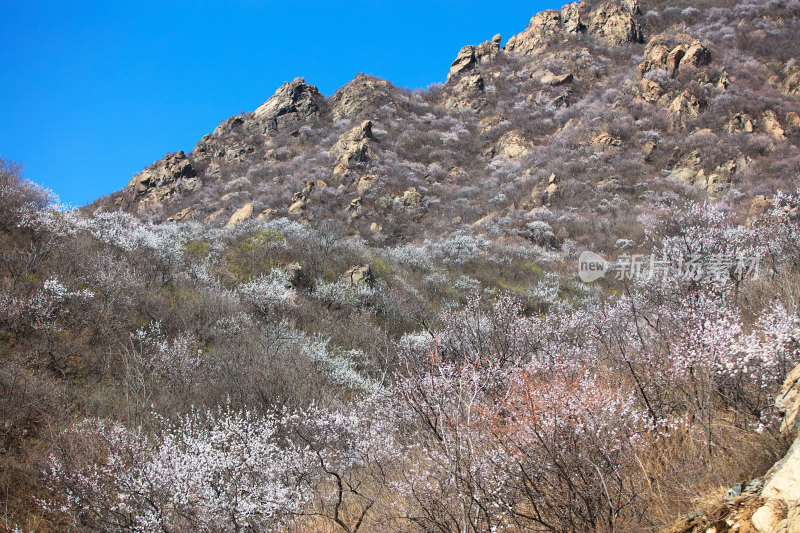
211 471
350 455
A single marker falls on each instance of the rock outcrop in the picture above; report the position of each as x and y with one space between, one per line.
301 198
543 27
465 60
780 511
571 18
365 183
686 107
466 93
612 22
615 25
359 276
241 214
293 103
353 147
512 145
297 277
605 141
362 94
411 199
469 57
544 193
669 51
768 505
182 215
162 180
771 125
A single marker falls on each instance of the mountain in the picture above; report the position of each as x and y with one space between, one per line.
600 105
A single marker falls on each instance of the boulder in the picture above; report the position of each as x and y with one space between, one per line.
605 141
697 55
674 59
510 146
241 214
359 276
767 517
296 276
771 125
555 80
410 199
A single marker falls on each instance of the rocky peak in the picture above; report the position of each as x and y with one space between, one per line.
469 57
362 94
543 27
292 103
613 22
571 18
465 60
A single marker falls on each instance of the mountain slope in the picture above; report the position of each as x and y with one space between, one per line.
595 104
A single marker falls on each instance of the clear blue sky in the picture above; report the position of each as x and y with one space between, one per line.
93 92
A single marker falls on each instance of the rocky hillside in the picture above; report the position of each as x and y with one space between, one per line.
601 107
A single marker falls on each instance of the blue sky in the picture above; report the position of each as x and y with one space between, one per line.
93 92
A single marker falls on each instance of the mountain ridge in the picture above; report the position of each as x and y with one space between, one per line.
667 72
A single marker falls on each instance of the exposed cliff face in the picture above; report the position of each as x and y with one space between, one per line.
614 23
162 180
597 93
